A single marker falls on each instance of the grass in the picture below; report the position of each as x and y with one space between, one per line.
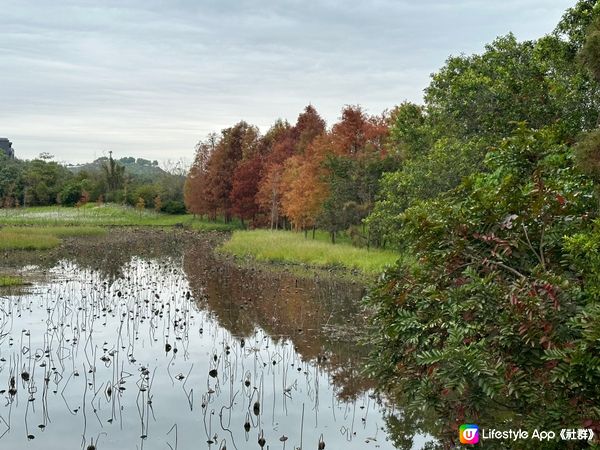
8 280
105 215
321 235
42 237
57 231
290 247
26 241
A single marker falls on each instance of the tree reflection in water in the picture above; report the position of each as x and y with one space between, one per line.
148 336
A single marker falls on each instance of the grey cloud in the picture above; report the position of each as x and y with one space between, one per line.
149 78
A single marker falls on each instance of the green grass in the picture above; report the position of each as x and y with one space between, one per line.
27 241
105 215
57 231
42 237
287 246
321 235
8 280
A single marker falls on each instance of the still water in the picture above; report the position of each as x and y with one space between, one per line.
175 350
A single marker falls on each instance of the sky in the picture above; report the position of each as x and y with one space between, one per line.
149 78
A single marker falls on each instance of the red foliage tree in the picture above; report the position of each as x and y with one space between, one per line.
195 195
236 142
245 187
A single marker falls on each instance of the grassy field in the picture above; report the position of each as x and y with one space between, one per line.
287 246
57 231
9 280
41 228
42 237
105 215
25 241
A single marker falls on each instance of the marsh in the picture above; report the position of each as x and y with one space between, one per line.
145 339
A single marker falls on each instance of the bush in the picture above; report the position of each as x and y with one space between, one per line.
500 315
70 194
174 207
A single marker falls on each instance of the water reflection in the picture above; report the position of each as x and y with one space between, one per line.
322 316
176 350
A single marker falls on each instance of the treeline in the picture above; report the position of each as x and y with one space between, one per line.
42 181
302 175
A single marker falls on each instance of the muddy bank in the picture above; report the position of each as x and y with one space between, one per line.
117 246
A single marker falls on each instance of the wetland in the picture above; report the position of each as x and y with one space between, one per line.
147 339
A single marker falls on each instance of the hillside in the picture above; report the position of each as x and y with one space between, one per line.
142 169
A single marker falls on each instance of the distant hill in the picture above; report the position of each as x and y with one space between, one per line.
142 169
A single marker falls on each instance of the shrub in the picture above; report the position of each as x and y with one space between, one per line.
174 207
501 311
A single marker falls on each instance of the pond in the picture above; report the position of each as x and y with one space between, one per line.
149 341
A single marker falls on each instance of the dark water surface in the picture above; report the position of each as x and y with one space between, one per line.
153 344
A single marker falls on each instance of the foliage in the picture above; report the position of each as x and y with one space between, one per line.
575 23
410 131
534 81
44 182
114 174
245 188
475 101
210 181
147 192
494 312
588 155
174 207
420 178
293 174
590 53
140 204
353 159
157 203
304 190
242 173
497 201
70 194
11 181
195 195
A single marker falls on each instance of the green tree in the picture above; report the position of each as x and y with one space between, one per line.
113 174
422 177
497 315
11 181
43 180
70 194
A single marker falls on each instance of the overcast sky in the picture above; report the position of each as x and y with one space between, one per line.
149 78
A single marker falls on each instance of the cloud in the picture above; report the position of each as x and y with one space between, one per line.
150 78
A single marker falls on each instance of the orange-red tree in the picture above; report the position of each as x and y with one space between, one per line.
244 188
286 155
279 144
354 158
236 142
195 195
